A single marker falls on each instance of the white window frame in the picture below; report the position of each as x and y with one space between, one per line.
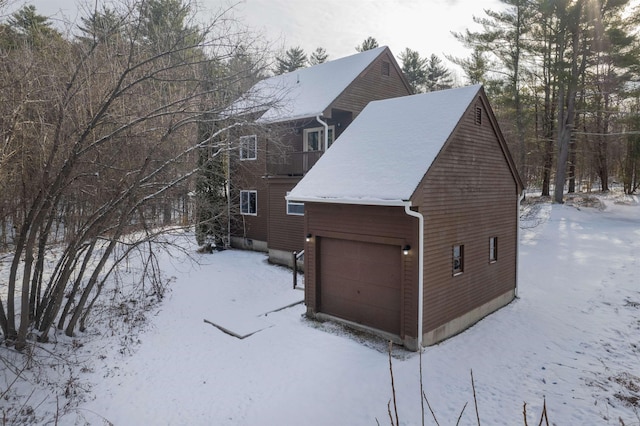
296 204
247 202
320 131
248 147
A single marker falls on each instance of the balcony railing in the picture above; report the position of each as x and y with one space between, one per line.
292 163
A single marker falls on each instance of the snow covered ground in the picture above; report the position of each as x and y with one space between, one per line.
572 338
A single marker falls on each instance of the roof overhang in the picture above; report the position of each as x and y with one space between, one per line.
283 119
357 201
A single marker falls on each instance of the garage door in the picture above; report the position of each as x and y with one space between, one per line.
360 282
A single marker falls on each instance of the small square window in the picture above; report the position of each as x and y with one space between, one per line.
249 202
295 208
248 147
386 68
458 259
493 249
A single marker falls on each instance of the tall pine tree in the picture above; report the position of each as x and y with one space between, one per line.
438 77
415 69
368 44
318 56
294 58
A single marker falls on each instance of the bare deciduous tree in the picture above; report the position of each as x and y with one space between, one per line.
101 135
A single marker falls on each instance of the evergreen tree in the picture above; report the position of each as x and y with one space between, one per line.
414 68
211 188
368 44
318 56
164 25
615 55
560 69
294 58
100 26
438 76
243 70
475 68
503 36
27 26
631 168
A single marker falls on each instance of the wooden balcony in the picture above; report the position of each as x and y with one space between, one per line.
292 163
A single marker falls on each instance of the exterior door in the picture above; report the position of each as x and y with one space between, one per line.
361 282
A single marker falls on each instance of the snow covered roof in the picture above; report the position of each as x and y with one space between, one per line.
384 154
306 92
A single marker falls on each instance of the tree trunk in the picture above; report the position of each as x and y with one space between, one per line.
54 301
561 168
25 317
548 164
572 166
566 112
89 287
76 284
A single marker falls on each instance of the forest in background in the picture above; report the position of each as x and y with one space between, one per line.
116 129
563 77
106 133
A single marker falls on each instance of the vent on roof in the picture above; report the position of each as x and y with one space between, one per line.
385 68
478 115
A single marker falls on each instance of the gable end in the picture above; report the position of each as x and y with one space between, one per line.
372 84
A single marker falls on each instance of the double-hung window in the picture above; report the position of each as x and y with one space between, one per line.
249 202
248 147
314 139
295 208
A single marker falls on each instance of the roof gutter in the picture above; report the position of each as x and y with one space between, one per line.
408 211
357 201
326 132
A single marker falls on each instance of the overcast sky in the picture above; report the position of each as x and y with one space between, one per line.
340 25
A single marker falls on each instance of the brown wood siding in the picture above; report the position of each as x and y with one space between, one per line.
368 224
468 196
286 232
248 175
371 86
285 145
282 144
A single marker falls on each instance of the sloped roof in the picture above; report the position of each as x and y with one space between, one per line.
306 92
384 154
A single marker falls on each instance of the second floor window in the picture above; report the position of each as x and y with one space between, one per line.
248 147
249 202
314 138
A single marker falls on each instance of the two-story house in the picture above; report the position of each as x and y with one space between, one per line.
303 112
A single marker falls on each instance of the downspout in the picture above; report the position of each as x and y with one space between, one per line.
326 133
520 198
408 211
